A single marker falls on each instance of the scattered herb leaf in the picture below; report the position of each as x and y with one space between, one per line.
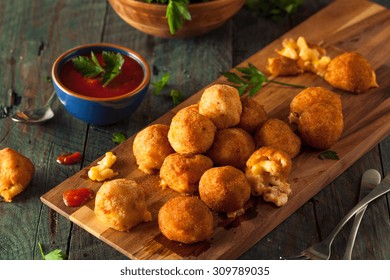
177 97
158 86
91 68
118 137
274 9
329 155
54 255
251 79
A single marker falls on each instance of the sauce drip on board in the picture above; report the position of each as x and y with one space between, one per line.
69 158
77 197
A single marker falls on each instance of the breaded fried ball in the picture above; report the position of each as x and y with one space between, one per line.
350 71
252 116
182 172
321 125
225 189
267 171
278 134
310 96
232 146
120 204
190 132
16 172
185 219
151 147
222 105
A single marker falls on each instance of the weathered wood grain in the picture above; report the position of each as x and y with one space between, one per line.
33 33
366 123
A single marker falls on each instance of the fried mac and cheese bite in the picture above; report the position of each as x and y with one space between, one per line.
151 147
232 146
298 56
16 172
185 219
252 116
182 172
191 132
350 71
321 125
310 96
222 105
120 204
278 134
267 171
225 189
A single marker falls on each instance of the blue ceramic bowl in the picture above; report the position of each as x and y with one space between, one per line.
99 111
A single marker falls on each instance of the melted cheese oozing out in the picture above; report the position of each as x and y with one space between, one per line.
102 171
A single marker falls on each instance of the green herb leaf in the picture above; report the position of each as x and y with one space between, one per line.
176 13
329 155
87 66
54 255
113 65
91 68
251 79
118 137
274 9
158 86
177 97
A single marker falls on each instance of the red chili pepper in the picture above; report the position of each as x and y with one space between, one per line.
69 158
77 197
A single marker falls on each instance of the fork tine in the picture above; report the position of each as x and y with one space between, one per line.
297 257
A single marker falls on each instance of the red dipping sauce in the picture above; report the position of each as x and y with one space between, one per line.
130 78
77 197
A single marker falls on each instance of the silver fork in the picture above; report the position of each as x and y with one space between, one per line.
322 250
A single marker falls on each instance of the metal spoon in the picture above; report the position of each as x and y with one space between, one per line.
36 116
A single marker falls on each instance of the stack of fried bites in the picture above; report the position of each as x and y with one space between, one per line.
218 152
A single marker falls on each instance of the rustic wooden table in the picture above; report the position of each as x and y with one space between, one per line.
33 34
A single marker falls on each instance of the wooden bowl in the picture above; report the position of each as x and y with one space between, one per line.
151 19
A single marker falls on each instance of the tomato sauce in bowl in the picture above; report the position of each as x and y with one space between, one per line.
86 98
130 77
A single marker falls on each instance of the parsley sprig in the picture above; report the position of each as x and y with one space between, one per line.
118 137
251 79
53 255
91 68
176 12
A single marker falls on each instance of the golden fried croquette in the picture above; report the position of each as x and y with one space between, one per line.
350 71
232 146
120 204
252 116
278 134
310 96
16 172
191 132
225 189
283 66
222 105
267 171
185 219
182 172
151 146
320 125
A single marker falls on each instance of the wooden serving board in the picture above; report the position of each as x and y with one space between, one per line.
342 26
